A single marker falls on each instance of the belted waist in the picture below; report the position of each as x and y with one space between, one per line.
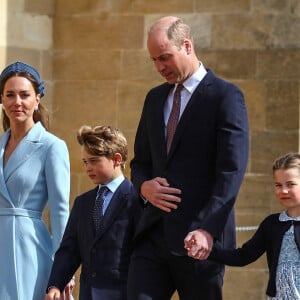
20 212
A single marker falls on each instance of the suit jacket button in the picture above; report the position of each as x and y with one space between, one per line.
94 274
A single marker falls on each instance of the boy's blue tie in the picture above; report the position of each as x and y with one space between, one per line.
98 213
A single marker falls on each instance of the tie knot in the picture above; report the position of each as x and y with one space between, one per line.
102 191
179 87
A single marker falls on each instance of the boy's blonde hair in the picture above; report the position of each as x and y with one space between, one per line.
103 141
287 161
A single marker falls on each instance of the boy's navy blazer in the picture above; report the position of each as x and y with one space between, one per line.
207 160
104 257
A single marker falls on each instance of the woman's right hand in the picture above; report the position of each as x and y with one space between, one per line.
53 294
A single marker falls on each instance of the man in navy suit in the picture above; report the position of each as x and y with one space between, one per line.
99 238
190 188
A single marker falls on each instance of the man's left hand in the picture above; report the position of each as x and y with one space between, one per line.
198 244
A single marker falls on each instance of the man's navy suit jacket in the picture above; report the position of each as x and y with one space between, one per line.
207 160
105 257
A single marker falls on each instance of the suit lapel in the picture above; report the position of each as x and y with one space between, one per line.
158 118
198 95
90 201
116 205
26 148
3 188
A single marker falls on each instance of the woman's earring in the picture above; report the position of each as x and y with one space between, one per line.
36 107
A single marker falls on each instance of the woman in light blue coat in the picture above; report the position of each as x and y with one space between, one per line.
34 171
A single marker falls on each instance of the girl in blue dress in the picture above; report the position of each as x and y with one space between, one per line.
278 235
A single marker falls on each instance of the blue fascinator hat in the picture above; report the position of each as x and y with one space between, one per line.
19 67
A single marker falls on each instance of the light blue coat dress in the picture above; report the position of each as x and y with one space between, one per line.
37 171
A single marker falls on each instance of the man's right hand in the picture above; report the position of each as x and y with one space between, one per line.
159 193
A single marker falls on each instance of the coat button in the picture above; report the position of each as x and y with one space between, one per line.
94 274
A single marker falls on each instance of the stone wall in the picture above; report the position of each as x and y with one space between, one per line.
26 35
97 71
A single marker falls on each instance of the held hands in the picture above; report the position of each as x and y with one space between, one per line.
55 294
67 293
198 244
159 193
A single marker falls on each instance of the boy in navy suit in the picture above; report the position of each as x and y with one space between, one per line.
102 222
